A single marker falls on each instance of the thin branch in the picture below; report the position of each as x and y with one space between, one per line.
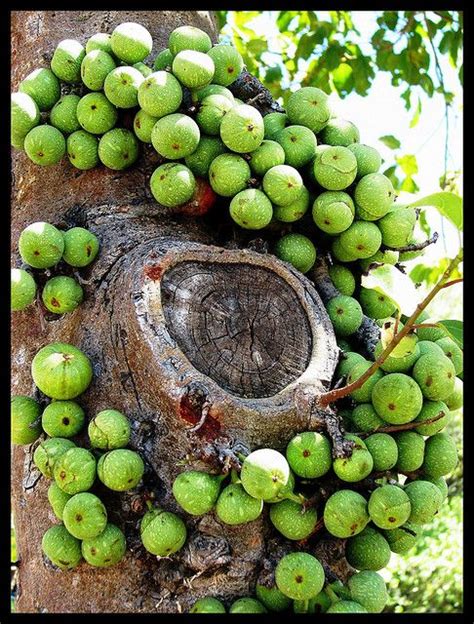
318 526
452 282
421 325
334 395
417 246
397 323
410 425
258 97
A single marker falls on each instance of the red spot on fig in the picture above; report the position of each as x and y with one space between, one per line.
55 303
201 202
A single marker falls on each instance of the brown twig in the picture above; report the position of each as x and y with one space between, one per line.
422 325
397 323
318 526
452 282
258 97
334 395
410 425
417 246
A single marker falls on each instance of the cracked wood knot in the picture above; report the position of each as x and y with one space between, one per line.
241 325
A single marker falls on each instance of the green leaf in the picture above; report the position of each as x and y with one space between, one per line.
431 274
305 46
333 56
409 185
390 141
221 18
274 74
408 164
455 330
448 204
257 46
391 19
395 284
423 223
416 116
391 175
285 18
363 73
406 95
445 42
342 77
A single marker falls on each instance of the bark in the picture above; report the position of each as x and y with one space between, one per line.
210 351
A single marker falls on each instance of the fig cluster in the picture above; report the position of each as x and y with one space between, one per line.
270 169
308 489
62 372
43 246
301 172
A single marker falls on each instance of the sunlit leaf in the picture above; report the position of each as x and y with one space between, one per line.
395 284
284 19
423 223
455 330
257 46
409 185
416 117
342 76
408 164
431 274
448 204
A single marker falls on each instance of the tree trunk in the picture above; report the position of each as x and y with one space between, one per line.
208 350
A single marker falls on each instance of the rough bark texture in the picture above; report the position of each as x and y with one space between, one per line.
187 398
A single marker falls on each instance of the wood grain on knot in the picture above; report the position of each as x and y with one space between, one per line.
239 324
